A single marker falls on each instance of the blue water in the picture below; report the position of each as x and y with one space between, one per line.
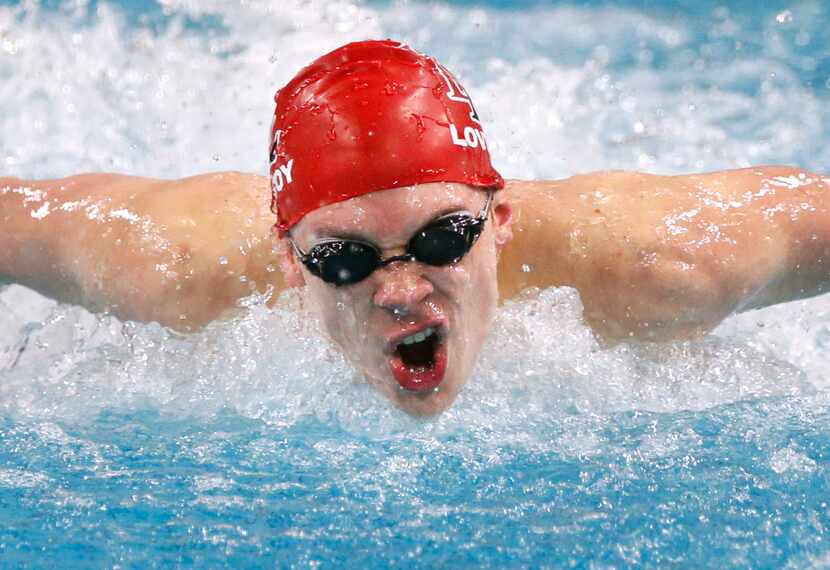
253 444
232 492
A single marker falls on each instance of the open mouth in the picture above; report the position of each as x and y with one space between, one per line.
419 360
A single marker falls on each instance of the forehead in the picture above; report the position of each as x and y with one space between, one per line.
388 215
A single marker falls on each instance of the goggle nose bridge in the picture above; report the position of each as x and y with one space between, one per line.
394 258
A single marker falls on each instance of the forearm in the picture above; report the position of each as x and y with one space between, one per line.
29 252
657 258
768 234
804 213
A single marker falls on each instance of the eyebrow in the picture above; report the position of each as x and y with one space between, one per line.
328 233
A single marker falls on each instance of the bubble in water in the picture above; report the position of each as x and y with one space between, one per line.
791 459
802 38
784 17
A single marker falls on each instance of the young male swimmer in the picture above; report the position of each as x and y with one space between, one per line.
390 214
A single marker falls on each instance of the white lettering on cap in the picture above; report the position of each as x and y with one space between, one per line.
473 138
282 175
455 91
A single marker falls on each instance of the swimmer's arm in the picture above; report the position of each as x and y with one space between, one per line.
770 238
801 208
181 253
668 257
27 248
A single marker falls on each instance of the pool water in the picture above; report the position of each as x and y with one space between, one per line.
254 444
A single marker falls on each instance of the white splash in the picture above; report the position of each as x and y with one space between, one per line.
124 214
791 459
553 76
790 182
29 194
676 222
74 205
273 364
41 212
22 479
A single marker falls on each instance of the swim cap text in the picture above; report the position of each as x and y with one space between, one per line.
282 175
472 138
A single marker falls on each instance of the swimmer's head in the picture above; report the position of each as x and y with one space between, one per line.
377 152
371 116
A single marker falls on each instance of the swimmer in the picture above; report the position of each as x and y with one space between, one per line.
383 205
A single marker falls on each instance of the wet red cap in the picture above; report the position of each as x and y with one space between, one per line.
370 116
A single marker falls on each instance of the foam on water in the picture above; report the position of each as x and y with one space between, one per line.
61 362
686 451
188 92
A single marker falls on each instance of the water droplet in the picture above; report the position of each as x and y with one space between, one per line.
526 268
784 17
223 260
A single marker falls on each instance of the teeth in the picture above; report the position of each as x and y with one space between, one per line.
419 336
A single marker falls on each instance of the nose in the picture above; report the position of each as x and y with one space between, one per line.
401 287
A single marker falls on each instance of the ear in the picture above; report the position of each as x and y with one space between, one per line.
288 262
502 222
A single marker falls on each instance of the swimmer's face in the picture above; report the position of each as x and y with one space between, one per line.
408 324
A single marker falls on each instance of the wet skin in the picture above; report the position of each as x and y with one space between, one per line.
653 257
367 319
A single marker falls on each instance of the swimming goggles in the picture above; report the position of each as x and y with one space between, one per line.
443 241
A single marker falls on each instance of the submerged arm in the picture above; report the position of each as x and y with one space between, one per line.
664 257
177 252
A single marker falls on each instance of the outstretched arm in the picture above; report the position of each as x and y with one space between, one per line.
663 257
177 252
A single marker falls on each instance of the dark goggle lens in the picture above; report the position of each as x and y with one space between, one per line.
446 241
443 242
345 262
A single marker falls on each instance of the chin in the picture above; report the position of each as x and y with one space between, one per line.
422 404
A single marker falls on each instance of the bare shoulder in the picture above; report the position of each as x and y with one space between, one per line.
559 224
205 243
180 252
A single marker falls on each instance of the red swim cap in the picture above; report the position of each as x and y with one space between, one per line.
369 116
